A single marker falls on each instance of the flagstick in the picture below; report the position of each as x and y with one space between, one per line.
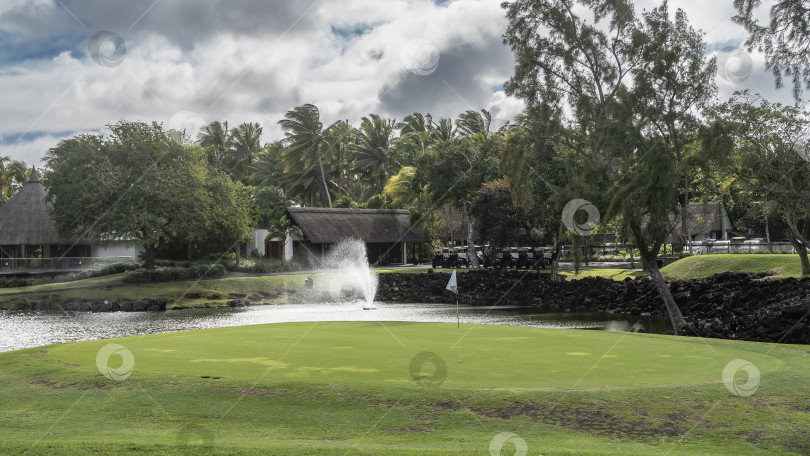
458 327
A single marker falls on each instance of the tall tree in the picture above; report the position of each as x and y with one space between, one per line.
414 137
499 221
140 186
213 138
621 90
470 123
538 168
770 155
373 155
268 168
305 144
453 171
13 175
785 39
442 131
244 146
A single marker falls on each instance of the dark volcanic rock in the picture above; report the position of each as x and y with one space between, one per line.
727 305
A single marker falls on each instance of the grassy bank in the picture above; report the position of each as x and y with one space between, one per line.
706 265
358 388
215 292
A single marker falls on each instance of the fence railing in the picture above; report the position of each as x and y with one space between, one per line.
707 248
773 247
29 265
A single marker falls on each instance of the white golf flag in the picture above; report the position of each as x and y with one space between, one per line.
452 285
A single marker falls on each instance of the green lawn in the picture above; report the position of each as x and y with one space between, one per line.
350 388
178 292
699 266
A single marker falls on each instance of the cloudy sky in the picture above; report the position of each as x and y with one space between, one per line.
73 66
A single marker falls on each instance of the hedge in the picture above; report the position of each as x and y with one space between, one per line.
161 274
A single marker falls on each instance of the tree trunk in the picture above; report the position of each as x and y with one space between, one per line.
471 255
555 259
632 258
768 235
323 177
685 216
801 250
238 250
149 255
675 316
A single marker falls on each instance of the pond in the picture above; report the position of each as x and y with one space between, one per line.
32 329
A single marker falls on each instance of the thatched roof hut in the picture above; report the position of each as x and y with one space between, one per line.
328 226
386 232
25 219
706 221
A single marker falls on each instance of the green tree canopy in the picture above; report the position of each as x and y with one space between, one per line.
141 187
785 39
620 92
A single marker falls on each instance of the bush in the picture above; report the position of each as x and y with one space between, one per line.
115 268
261 266
161 274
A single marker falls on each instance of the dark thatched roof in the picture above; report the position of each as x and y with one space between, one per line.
25 219
327 226
704 218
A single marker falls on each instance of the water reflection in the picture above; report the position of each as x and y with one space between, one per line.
32 329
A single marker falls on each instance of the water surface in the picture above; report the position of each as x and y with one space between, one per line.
32 329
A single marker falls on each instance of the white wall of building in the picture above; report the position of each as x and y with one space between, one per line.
116 249
258 242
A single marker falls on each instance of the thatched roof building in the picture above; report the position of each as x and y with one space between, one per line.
327 226
706 221
25 219
386 232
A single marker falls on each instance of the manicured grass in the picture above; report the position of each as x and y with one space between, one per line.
615 274
176 292
699 266
348 388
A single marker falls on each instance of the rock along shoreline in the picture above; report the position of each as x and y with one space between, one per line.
728 305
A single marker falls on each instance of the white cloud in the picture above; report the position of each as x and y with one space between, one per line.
252 61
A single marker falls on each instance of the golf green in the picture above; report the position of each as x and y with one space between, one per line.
385 354
371 388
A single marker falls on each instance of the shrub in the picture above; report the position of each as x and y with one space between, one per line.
161 274
115 268
262 266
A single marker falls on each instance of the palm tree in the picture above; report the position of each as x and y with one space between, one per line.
414 137
305 142
340 138
214 139
304 184
471 123
443 131
13 175
268 168
244 145
372 150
